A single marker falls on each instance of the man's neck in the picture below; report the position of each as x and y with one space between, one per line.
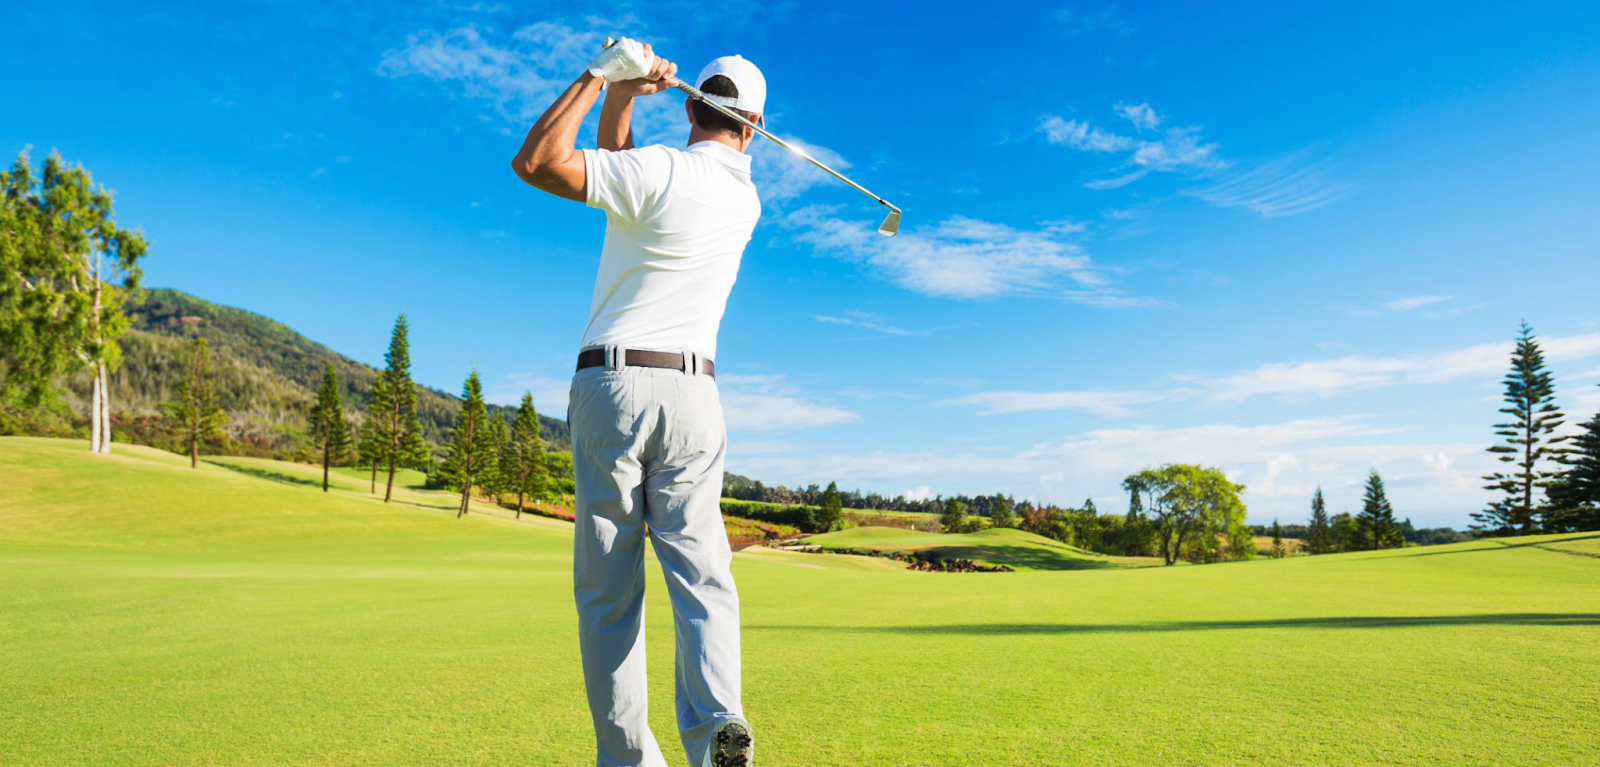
696 135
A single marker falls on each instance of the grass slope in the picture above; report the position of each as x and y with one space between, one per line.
154 614
1014 548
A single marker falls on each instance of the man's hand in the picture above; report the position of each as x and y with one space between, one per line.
626 59
656 80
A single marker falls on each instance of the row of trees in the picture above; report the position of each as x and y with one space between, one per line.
1374 527
1177 511
483 455
486 456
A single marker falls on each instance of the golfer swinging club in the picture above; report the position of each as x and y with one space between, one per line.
647 433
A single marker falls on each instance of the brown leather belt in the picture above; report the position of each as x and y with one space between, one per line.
644 358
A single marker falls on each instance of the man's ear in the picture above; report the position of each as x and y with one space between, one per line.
688 110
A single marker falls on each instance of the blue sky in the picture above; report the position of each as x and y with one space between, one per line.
1292 241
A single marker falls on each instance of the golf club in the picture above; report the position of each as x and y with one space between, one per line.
891 223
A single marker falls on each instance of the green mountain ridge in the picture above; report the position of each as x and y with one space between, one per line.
266 372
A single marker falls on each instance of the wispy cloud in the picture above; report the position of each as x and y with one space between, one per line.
1286 186
1141 115
1098 402
1318 378
1413 302
517 79
1082 136
1280 463
780 175
869 321
963 257
1075 22
1172 150
1294 184
769 403
549 392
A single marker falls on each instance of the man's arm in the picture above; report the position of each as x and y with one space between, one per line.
616 115
549 159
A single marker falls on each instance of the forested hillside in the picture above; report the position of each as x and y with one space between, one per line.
266 374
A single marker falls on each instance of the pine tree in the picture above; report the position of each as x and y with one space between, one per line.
394 407
194 406
1376 520
369 442
1277 551
1576 493
954 518
1003 515
492 480
1529 443
471 452
1319 533
524 459
831 510
328 428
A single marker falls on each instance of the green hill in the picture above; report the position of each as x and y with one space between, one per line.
267 376
154 614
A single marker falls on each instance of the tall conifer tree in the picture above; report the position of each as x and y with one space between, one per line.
328 427
471 453
1319 532
492 479
524 464
1376 524
1576 493
1530 443
195 408
399 440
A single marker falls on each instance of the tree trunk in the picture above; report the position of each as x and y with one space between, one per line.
105 409
466 497
519 504
388 490
94 416
194 451
325 448
374 477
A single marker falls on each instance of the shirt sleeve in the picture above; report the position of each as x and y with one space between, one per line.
625 184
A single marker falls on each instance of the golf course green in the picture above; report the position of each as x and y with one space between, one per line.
235 614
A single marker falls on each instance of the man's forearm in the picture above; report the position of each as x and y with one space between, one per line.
549 152
616 121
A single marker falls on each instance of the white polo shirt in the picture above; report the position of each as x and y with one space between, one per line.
677 223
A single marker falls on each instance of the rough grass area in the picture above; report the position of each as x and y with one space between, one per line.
1002 546
157 615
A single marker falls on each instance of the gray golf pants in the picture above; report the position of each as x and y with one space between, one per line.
647 451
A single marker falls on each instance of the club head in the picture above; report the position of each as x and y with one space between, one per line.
891 224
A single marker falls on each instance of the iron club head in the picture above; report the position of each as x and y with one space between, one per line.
891 223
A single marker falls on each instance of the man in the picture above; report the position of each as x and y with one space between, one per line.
647 432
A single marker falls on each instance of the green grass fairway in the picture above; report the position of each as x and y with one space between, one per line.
1013 548
156 615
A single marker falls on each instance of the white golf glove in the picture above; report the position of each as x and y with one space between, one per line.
625 60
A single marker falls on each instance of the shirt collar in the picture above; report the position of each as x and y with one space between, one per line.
727 155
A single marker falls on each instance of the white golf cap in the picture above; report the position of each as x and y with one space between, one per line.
751 83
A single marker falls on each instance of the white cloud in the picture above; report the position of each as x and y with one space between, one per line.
1413 302
767 403
1080 135
868 321
1281 464
1074 23
919 493
1141 115
1175 149
1098 402
780 175
1287 186
1323 378
549 392
963 257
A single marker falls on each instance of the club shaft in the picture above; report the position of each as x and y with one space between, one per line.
695 94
